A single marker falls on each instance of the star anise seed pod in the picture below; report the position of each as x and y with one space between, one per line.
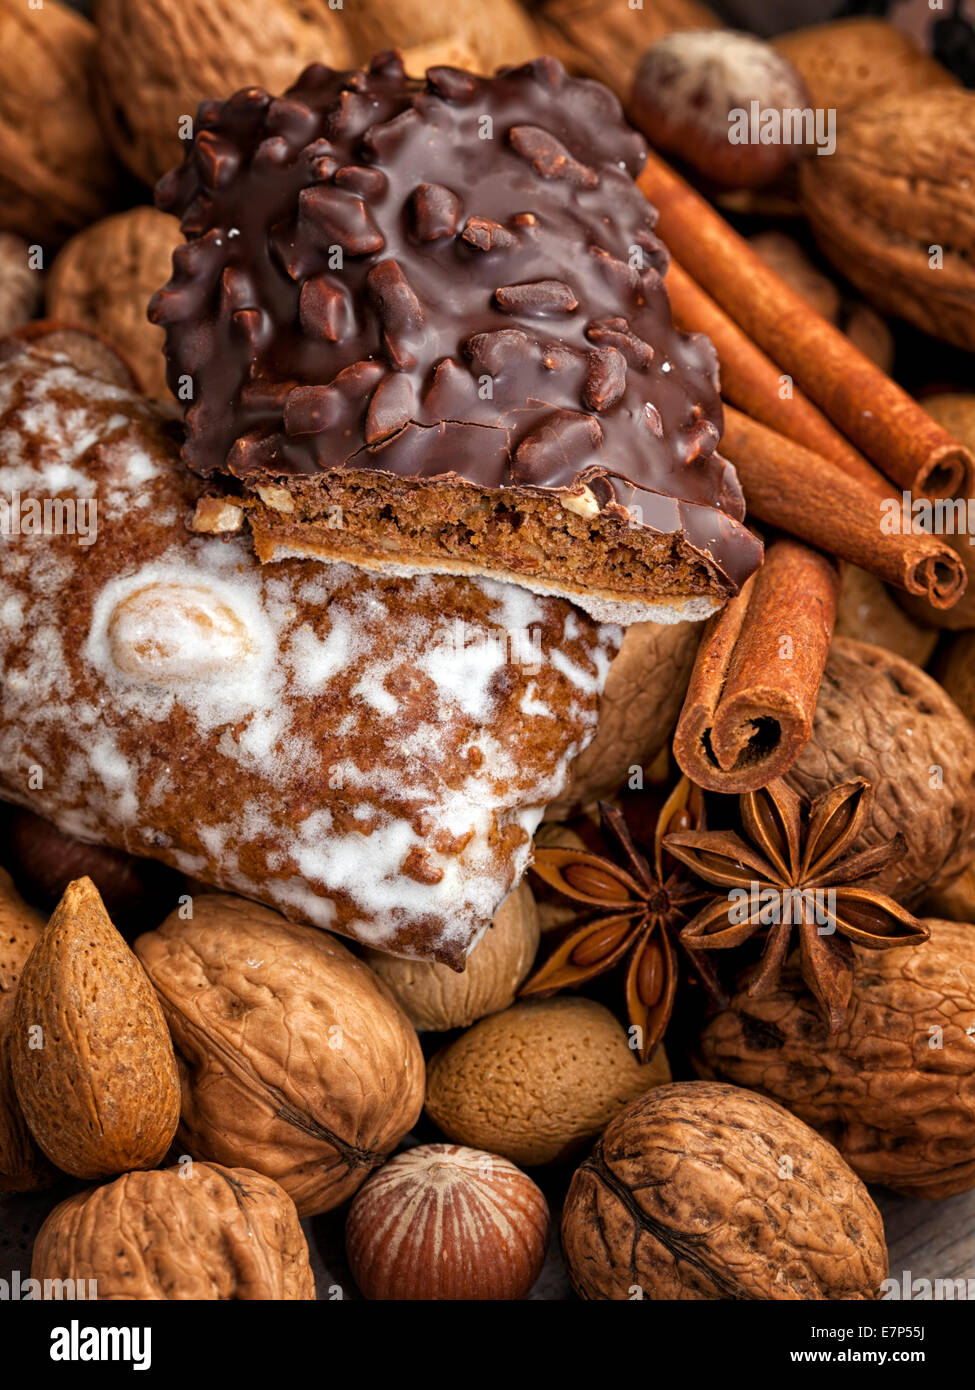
797 868
635 909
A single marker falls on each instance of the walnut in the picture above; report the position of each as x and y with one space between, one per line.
56 170
197 1231
688 84
103 279
637 713
294 1057
20 286
157 59
895 1088
22 1166
882 718
436 998
537 1082
853 61
894 208
704 1191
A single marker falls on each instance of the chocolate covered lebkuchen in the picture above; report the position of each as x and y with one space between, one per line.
363 753
422 325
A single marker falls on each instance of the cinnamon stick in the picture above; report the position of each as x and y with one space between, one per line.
749 708
751 380
890 427
796 490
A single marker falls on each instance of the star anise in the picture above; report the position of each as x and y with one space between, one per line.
798 868
636 910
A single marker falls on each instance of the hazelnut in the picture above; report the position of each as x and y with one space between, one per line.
442 1222
435 998
537 1082
295 1059
703 1191
688 84
197 1231
216 516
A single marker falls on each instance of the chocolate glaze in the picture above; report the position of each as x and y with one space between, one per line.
456 276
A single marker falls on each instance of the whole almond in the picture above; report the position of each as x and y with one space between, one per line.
93 1063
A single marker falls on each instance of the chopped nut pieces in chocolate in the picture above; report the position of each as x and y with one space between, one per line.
435 313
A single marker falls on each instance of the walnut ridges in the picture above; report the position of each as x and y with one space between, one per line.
197 1231
157 58
22 1166
705 1191
419 348
91 1056
894 1090
894 208
56 170
294 1057
441 1222
882 718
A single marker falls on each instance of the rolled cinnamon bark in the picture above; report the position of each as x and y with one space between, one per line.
874 412
799 491
749 708
751 381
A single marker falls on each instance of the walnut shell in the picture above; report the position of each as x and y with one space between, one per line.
882 718
92 1060
605 38
294 1057
157 59
442 1222
197 1231
852 61
56 170
894 1090
20 286
642 698
501 32
867 612
687 85
893 190
436 998
22 1166
103 279
537 1082
703 1191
